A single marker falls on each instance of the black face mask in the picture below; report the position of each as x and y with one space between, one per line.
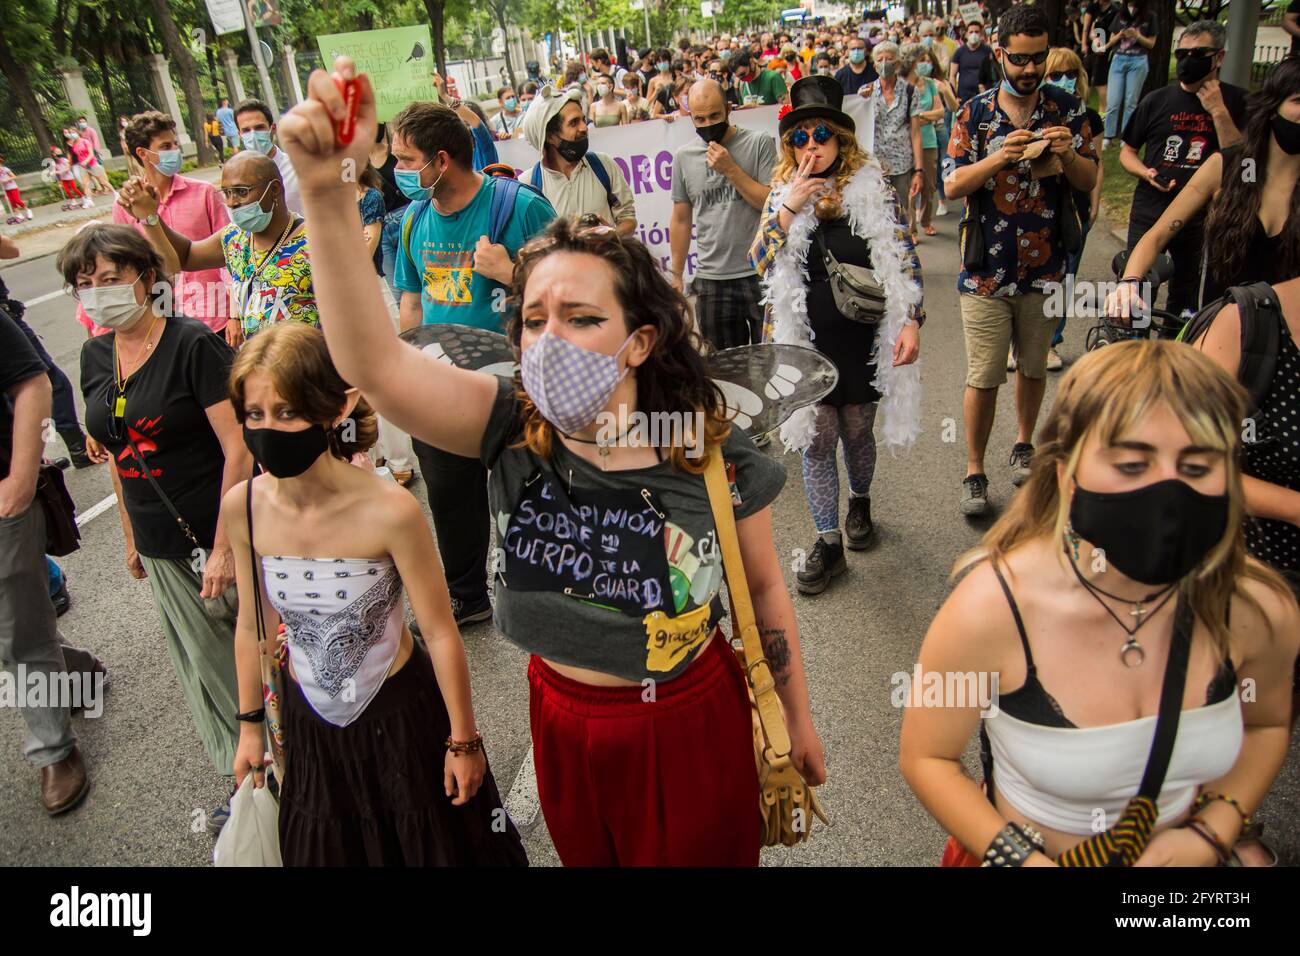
286 454
713 133
572 150
1154 535
1287 135
1193 69
828 171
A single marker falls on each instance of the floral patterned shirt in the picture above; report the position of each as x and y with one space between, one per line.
1018 214
269 288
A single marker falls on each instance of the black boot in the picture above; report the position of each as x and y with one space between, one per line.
857 526
76 443
825 561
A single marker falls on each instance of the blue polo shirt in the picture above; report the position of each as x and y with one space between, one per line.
440 264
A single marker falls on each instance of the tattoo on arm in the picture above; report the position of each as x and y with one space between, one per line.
777 651
1175 226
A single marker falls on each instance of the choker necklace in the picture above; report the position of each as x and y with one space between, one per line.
1131 654
602 446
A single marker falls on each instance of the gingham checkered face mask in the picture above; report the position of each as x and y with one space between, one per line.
569 384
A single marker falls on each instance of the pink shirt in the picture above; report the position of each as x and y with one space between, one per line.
195 210
84 151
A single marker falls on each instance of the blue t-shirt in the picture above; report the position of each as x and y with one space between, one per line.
485 147
442 247
226 117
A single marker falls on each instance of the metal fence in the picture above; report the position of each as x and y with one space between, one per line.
1265 58
17 141
124 91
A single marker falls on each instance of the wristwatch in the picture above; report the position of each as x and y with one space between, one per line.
150 220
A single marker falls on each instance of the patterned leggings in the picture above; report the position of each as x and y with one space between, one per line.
853 425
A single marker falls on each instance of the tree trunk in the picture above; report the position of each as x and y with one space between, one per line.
434 8
1159 55
180 58
499 8
108 122
16 74
1058 30
365 20
60 28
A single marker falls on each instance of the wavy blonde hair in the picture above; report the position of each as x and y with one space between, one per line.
852 157
1106 393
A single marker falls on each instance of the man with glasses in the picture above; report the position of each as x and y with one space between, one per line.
1177 127
257 132
264 248
1015 159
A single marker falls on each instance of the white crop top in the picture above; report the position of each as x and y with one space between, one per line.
1060 776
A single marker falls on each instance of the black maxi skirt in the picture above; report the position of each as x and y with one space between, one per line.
371 793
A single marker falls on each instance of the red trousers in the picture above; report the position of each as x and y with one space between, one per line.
665 782
70 190
15 199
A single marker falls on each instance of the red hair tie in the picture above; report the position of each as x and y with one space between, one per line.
780 115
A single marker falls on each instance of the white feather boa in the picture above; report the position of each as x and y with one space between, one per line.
869 202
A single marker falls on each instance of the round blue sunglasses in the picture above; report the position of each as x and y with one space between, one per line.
798 138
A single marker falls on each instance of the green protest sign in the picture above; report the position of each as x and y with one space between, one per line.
399 62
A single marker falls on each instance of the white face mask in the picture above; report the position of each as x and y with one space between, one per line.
113 306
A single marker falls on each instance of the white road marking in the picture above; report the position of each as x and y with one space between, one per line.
523 803
44 298
90 514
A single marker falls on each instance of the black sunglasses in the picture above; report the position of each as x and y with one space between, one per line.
1199 52
1059 75
798 138
1022 59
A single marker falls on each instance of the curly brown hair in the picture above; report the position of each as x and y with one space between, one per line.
144 128
295 357
673 378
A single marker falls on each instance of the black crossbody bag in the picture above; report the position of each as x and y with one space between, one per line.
224 607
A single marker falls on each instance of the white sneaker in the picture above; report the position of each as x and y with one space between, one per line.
941 209
1054 363
87 204
30 215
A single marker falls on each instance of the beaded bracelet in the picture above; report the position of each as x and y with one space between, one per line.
467 746
1209 796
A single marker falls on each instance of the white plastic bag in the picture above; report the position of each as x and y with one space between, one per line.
251 837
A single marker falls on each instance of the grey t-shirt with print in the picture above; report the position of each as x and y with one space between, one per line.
592 562
724 223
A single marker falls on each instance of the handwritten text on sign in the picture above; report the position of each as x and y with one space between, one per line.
399 62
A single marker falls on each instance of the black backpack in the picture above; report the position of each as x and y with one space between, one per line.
1261 334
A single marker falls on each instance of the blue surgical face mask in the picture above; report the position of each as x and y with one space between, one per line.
511 104
408 181
924 68
857 56
258 140
725 54
251 217
169 162
1066 83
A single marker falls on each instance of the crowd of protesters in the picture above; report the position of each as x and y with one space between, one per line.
244 379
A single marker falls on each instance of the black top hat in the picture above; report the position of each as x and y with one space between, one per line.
816 97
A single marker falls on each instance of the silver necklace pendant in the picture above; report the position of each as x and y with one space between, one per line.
1131 654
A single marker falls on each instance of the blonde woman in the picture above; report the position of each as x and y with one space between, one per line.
1124 546
1065 69
829 199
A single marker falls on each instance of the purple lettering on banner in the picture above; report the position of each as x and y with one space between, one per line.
622 164
641 175
664 169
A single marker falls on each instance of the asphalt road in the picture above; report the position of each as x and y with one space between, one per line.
152 781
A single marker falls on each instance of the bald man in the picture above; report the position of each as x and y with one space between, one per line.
720 184
264 247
